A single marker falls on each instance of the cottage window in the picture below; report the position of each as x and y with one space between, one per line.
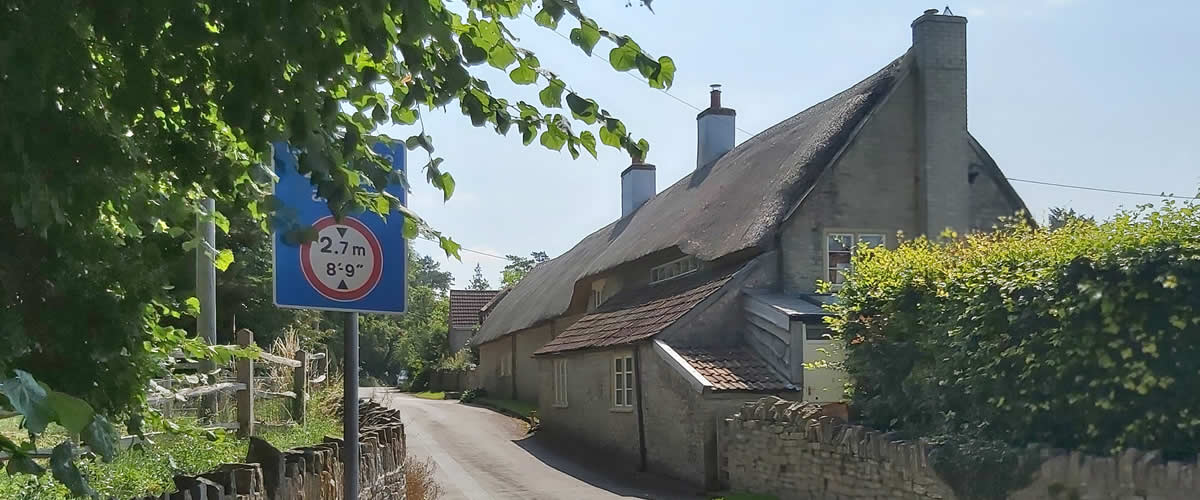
674 269
839 247
506 364
623 381
560 383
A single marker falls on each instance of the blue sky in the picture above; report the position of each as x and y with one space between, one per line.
1080 92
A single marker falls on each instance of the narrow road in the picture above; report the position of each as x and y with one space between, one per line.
480 454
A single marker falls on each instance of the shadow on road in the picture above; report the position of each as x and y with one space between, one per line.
602 470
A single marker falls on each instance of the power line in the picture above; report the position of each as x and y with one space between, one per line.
470 250
1104 190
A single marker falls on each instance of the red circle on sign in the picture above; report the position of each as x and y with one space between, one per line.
343 295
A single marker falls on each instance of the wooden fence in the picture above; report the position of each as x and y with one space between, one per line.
306 370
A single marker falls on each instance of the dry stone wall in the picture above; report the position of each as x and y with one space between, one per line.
787 449
312 472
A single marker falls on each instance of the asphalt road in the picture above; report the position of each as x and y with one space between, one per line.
480 454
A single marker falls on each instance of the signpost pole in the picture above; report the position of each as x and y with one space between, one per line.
350 415
206 292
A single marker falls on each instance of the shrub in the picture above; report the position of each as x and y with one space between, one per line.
1086 337
470 395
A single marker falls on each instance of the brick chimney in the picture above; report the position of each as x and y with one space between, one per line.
940 48
715 129
637 186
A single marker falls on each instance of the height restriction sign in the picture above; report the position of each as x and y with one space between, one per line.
355 264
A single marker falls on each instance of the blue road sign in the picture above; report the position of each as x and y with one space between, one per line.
357 264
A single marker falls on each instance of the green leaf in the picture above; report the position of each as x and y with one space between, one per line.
502 56
583 109
23 464
612 132
411 228
62 467
589 142
550 14
450 247
29 399
523 75
447 185
224 259
551 96
586 35
193 306
623 58
666 73
71 412
553 138
221 221
101 437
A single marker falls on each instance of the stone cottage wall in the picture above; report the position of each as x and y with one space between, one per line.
777 447
312 472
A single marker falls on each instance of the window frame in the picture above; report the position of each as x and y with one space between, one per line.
506 364
560 383
682 266
623 382
855 236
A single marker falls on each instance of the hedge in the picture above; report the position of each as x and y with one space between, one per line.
1086 337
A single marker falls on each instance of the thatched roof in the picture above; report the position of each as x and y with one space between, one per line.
733 204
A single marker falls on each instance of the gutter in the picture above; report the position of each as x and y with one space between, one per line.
637 389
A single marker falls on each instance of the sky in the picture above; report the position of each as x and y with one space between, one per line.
1092 93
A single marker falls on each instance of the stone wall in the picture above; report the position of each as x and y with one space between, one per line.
787 449
311 472
453 380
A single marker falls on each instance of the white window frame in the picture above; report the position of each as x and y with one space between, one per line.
855 237
623 382
679 267
560 383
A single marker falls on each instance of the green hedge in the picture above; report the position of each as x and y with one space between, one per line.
1086 337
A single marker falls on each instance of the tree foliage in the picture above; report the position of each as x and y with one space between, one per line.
1086 337
1062 216
478 282
519 266
118 117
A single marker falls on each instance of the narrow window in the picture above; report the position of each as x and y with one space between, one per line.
560 382
839 247
623 381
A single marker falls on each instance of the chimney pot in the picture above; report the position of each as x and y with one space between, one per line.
714 96
930 12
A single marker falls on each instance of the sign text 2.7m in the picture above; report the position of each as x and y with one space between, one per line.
355 264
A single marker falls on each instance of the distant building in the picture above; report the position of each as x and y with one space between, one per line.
465 309
703 296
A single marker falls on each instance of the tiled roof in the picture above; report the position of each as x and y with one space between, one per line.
465 306
735 368
640 320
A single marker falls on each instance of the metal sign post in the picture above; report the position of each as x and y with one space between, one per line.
354 264
350 417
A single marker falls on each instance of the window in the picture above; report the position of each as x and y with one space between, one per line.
560 383
838 249
623 381
815 332
597 297
674 269
506 364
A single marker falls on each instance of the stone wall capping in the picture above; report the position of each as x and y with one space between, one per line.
793 451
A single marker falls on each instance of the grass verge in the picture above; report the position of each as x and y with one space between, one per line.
430 395
520 408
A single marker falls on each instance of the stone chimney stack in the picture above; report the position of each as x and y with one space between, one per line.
637 186
715 129
940 48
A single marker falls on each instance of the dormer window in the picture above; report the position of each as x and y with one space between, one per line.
674 269
598 296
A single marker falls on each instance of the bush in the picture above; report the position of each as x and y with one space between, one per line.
470 395
1086 337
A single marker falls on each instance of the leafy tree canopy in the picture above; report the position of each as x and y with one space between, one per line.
519 266
1061 217
478 282
119 117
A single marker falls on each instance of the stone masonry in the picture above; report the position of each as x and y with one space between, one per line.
312 472
782 448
